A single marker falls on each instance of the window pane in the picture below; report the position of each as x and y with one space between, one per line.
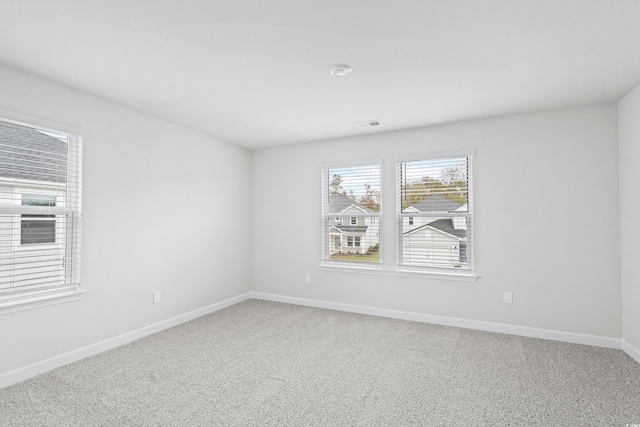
356 185
435 242
351 207
32 154
437 185
435 204
35 231
38 200
40 172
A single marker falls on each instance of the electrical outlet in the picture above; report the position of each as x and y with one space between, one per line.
508 298
156 297
307 278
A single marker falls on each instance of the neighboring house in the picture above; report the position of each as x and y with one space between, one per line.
351 234
432 241
33 171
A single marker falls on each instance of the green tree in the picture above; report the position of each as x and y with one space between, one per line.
335 186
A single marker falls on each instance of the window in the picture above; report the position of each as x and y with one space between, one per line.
40 174
37 229
353 240
350 215
434 208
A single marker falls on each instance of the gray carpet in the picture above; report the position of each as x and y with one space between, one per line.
264 363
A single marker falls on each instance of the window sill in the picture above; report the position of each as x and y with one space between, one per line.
458 276
352 267
37 247
377 270
29 300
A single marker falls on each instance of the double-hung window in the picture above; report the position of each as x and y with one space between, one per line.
351 214
434 214
40 188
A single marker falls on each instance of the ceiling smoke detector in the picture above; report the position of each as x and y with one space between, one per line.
369 124
340 70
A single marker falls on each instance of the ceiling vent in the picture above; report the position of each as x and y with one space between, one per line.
369 124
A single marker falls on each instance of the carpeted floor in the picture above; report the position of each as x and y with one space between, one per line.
262 363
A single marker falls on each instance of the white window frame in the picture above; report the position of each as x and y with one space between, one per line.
13 300
467 273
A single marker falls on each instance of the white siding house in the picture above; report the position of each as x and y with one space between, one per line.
351 234
434 241
436 244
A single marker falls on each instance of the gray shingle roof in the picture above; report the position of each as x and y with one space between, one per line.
339 202
26 153
352 228
445 225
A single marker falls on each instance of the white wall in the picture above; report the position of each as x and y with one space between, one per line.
546 222
167 208
163 208
629 146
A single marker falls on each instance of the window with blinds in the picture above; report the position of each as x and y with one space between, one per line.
434 213
40 188
351 214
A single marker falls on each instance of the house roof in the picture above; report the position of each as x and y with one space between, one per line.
445 225
26 153
339 202
435 204
351 228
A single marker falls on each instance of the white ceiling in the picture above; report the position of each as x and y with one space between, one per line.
254 72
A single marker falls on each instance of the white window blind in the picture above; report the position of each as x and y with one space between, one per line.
351 214
434 214
40 209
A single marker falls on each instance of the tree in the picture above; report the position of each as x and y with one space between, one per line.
452 185
371 198
451 174
335 186
455 180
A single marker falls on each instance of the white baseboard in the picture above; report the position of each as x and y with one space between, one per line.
633 352
29 371
547 334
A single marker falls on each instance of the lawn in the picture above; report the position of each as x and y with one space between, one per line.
370 257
